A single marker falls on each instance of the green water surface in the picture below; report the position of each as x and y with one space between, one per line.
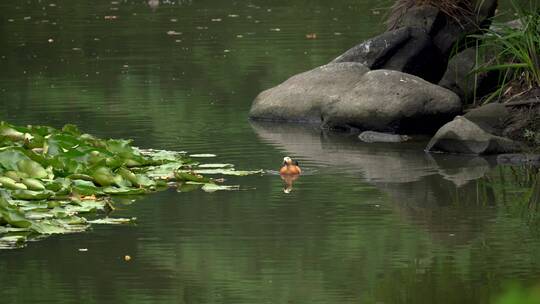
365 224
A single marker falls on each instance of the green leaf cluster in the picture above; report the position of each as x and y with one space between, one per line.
50 178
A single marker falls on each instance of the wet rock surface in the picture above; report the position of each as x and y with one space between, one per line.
460 79
302 96
409 50
372 137
464 136
358 99
391 101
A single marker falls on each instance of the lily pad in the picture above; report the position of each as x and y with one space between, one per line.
11 156
50 227
33 184
230 171
103 176
84 206
83 187
10 132
214 188
162 171
32 168
163 155
191 176
31 195
202 155
9 183
12 241
215 166
123 191
112 221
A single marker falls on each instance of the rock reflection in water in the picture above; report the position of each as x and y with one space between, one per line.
377 162
153 4
444 193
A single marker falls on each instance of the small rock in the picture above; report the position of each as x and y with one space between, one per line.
373 137
491 117
464 136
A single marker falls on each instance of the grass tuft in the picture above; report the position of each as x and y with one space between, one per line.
516 54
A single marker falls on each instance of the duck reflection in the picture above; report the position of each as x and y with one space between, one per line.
288 181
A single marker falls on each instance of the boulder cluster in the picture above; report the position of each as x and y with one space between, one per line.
411 79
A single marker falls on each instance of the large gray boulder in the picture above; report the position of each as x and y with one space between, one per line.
391 101
302 96
409 50
464 136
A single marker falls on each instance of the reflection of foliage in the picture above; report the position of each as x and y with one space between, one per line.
519 295
519 192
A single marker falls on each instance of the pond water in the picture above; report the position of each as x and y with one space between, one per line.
366 224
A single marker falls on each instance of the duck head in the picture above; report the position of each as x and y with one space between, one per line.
287 161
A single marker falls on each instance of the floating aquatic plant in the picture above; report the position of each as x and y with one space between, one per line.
51 179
